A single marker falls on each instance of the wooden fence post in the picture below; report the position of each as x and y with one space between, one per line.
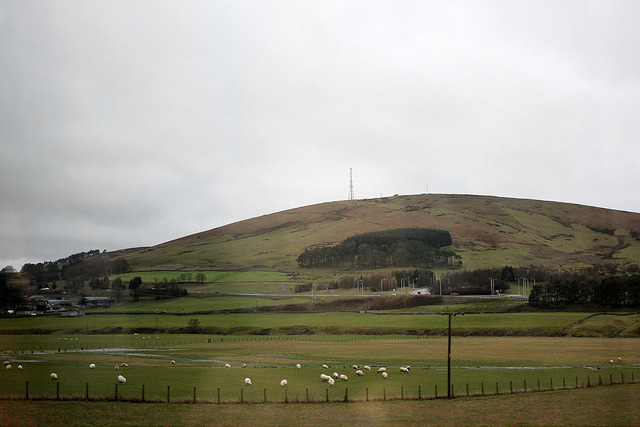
610 379
511 386
265 395
346 394
26 396
218 394
116 392
87 392
168 393
419 393
241 395
143 392
401 393
286 396
307 392
497 388
482 385
194 395
436 390
525 386
327 393
384 393
57 391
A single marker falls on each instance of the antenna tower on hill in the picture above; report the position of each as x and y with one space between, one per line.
350 184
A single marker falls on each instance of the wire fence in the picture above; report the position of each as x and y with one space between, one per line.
251 395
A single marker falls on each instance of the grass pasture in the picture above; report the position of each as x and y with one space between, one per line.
483 365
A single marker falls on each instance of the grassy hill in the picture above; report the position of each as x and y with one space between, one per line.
486 231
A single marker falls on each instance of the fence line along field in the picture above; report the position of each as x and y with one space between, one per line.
480 365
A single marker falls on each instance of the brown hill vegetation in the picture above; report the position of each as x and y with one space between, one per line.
486 231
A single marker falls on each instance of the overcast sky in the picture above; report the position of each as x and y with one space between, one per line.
131 123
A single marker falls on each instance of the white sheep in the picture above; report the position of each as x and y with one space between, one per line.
298 366
367 367
6 362
244 365
124 365
53 376
359 372
247 382
331 382
336 375
385 375
343 377
324 377
381 370
8 367
325 367
173 362
619 359
19 367
92 366
611 361
117 367
121 379
404 369
283 383
226 365
355 367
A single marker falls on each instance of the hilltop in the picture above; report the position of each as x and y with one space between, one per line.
486 232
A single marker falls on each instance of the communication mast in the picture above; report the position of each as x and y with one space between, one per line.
350 184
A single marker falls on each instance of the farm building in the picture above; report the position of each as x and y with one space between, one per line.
95 301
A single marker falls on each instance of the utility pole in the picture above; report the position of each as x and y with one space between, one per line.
449 396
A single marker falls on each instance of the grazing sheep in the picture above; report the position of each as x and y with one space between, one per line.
619 359
325 367
298 366
343 377
611 361
173 362
121 379
404 369
244 365
53 376
367 367
324 377
8 367
226 365
381 370
117 367
355 367
283 383
247 382
336 375
359 372
6 362
19 367
385 375
124 365
92 366
331 382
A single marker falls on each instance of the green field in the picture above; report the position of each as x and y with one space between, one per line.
480 365
341 322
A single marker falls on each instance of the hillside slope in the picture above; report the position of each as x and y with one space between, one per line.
486 231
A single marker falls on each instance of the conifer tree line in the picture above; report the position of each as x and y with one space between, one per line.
613 291
419 247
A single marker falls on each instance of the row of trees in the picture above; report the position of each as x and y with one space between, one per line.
614 291
138 290
400 247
